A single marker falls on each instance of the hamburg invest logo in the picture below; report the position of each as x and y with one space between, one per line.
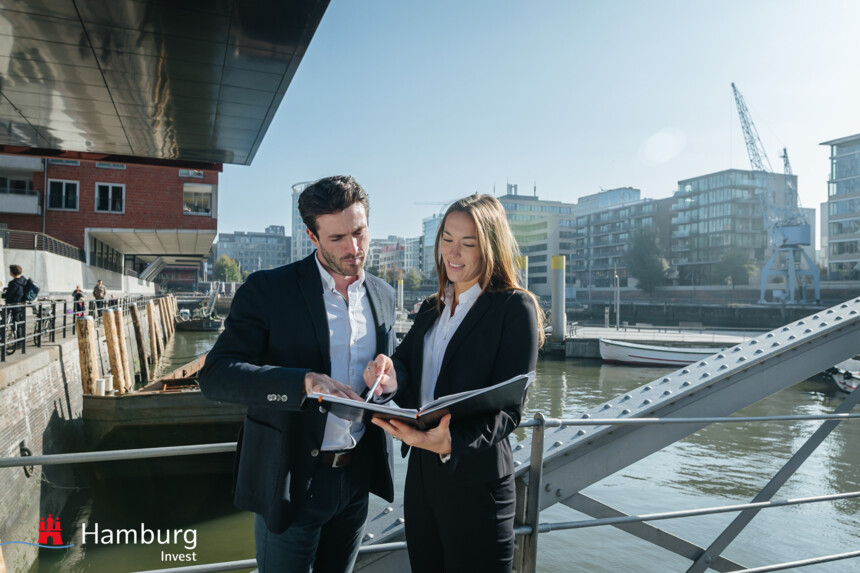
50 535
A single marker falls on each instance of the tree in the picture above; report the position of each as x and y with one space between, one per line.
412 280
736 265
225 269
644 261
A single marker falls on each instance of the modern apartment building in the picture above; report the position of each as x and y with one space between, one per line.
301 245
429 228
412 252
256 251
843 209
716 213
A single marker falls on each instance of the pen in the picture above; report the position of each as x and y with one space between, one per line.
373 388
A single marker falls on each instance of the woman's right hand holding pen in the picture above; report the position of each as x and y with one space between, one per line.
383 365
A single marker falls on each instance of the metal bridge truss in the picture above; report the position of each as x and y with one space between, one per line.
575 457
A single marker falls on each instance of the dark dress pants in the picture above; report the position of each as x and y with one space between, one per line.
327 529
451 527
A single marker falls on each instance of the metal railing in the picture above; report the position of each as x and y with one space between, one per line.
46 319
31 241
530 527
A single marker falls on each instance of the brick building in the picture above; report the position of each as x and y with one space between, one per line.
124 216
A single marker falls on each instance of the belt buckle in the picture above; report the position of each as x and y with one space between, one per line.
338 456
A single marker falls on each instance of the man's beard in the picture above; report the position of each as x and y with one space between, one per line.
337 266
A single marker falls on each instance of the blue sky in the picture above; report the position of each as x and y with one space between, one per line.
432 101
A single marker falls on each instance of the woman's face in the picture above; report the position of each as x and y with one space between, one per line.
460 251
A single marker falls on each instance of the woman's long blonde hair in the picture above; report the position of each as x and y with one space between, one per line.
497 246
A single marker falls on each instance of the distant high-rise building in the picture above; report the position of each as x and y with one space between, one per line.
429 228
256 251
843 209
301 245
412 254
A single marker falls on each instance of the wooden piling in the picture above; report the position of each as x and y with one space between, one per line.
141 347
122 340
112 341
162 315
153 333
159 333
171 308
86 329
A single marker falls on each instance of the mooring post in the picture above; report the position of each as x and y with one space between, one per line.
141 347
116 368
122 340
86 330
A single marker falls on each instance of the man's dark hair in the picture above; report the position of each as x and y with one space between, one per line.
330 195
16 270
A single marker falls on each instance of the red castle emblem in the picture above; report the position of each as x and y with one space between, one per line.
49 529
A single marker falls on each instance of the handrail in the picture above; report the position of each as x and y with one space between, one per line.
222 447
33 241
47 320
529 531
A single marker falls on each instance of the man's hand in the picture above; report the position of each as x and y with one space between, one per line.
437 440
381 364
316 383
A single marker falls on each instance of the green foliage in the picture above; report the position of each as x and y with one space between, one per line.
644 261
412 280
226 269
735 265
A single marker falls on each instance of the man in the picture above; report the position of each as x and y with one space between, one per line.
310 326
99 293
15 295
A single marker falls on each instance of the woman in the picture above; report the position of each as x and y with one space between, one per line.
479 329
78 296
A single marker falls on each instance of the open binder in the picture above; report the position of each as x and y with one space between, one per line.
461 405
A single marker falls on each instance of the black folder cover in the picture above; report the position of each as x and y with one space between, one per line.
462 405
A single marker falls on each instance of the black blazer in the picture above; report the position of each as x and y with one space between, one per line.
276 332
497 340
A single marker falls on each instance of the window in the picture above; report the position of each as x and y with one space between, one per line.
63 195
101 165
110 198
197 199
195 173
69 162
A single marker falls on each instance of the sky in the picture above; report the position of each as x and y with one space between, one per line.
427 102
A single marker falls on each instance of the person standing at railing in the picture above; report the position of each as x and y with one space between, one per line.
99 294
480 328
78 297
310 326
15 296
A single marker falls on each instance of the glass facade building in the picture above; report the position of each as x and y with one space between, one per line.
843 210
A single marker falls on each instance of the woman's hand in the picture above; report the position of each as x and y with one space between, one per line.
437 440
381 364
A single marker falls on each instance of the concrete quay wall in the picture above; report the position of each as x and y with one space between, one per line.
59 275
41 403
40 409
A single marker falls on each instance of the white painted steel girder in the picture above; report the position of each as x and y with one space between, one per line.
576 457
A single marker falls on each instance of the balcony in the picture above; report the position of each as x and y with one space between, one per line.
24 203
679 234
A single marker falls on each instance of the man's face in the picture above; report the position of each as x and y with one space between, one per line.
342 240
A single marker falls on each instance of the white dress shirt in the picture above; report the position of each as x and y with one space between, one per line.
437 338
352 344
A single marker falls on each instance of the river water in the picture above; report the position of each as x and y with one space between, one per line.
721 465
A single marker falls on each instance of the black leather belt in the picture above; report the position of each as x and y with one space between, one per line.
338 459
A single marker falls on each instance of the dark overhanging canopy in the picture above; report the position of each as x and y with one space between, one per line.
189 83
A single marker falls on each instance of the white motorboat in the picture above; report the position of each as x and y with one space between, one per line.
649 355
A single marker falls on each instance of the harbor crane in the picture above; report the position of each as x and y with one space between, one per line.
788 230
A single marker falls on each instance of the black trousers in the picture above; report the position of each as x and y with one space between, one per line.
451 527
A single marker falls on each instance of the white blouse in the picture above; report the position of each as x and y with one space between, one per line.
437 338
